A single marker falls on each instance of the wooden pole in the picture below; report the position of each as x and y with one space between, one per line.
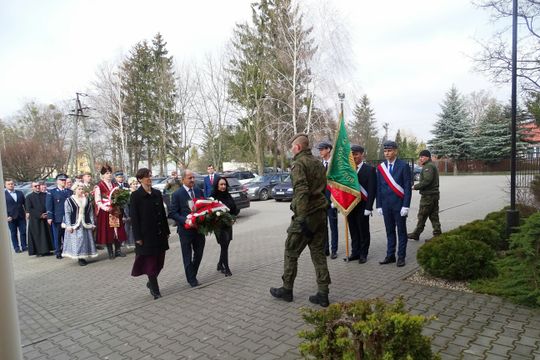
346 238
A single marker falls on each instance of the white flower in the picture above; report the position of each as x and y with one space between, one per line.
218 213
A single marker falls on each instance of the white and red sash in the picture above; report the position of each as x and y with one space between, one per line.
363 193
396 188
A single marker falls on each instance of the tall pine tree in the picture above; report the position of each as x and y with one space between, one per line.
452 132
363 129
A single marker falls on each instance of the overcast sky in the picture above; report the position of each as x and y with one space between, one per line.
406 54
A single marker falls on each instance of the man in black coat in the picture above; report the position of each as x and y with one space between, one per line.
191 242
39 231
359 217
16 216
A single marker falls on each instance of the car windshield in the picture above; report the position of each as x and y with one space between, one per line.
288 179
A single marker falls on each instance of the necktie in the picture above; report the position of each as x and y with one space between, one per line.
325 164
191 194
391 167
211 179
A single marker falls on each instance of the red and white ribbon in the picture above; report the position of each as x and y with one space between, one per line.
396 188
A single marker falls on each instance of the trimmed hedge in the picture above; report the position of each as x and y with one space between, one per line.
365 329
455 257
485 231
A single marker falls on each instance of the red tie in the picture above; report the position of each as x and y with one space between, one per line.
211 179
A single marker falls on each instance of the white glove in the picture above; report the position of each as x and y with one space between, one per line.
367 212
379 210
404 211
332 205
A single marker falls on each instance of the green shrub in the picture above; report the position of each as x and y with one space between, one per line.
455 257
485 231
365 329
519 271
499 217
535 188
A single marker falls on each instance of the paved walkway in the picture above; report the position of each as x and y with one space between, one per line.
100 312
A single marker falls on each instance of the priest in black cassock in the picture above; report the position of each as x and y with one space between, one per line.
39 231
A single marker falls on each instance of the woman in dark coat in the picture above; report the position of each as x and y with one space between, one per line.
224 234
39 231
150 230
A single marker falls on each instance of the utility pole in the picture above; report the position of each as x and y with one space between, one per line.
78 113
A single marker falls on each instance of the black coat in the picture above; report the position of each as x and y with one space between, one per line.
39 233
149 222
367 177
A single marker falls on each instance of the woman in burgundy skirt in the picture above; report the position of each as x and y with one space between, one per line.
150 230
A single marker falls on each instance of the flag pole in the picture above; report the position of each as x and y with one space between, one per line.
341 97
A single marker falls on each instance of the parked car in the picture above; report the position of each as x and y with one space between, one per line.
238 193
416 172
283 190
260 187
242 175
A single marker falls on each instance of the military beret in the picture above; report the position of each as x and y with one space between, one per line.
119 173
324 145
389 144
61 177
425 153
357 148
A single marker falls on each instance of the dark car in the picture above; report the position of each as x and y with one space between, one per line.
416 172
283 190
260 187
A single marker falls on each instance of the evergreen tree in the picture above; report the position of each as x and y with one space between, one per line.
452 132
494 140
363 129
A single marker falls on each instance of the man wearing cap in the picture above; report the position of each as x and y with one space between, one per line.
359 216
308 225
120 179
54 203
393 202
429 201
325 148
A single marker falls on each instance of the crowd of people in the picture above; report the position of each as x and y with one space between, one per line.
77 218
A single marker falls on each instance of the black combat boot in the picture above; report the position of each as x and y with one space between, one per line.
153 286
110 251
118 250
282 293
320 299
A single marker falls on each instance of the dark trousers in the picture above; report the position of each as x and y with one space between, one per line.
14 225
223 237
58 237
360 235
393 220
331 215
192 252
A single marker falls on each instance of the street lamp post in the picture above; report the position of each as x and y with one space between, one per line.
512 215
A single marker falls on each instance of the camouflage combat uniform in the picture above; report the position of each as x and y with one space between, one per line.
308 225
429 202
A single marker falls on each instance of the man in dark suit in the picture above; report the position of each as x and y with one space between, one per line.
191 242
393 201
359 217
16 215
210 180
325 148
54 202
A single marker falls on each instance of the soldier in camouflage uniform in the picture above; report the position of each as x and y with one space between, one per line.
308 224
429 202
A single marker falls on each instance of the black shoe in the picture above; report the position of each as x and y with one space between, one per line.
59 257
99 247
154 293
413 236
351 258
220 267
401 262
227 272
327 253
282 293
18 251
118 253
320 299
333 256
83 262
388 260
362 259
194 283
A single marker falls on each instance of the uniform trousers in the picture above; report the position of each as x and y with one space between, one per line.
393 220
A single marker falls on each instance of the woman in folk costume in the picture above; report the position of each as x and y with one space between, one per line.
79 224
110 227
130 243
